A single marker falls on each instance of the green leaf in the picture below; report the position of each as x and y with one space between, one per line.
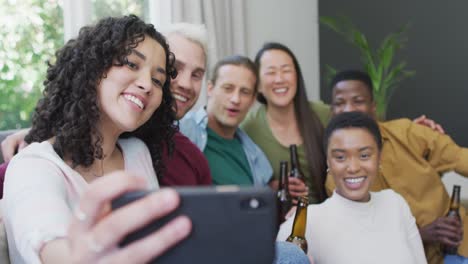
330 22
361 41
371 70
386 53
378 63
330 72
377 81
397 75
394 73
341 25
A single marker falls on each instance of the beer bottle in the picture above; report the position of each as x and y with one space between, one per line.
453 212
295 171
300 220
283 196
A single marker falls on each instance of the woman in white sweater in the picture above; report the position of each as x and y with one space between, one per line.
106 113
355 225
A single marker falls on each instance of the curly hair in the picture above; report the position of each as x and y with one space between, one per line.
69 108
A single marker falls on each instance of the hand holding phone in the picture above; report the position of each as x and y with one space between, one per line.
230 224
95 231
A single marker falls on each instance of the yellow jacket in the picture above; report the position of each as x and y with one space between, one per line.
412 161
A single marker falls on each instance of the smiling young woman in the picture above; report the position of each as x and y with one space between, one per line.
285 118
355 225
98 132
353 160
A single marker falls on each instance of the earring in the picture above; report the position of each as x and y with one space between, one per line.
328 170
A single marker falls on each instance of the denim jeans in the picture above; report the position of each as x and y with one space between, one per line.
455 259
288 253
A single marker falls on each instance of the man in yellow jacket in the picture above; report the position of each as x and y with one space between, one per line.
413 159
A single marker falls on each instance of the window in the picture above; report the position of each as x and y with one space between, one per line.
105 8
30 33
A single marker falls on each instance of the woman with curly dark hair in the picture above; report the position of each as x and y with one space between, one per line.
106 113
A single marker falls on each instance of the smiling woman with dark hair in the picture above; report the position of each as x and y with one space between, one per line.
355 225
286 117
70 110
98 131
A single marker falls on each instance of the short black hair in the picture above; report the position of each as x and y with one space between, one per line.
353 120
236 60
353 75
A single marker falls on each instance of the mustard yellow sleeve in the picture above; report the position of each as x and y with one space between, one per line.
440 150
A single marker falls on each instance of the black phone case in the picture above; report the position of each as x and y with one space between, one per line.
229 225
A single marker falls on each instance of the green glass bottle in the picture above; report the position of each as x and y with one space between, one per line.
284 199
299 226
454 211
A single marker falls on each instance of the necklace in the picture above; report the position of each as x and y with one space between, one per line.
91 170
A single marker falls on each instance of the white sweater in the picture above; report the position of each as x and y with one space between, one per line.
382 230
41 191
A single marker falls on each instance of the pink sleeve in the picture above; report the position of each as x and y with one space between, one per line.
3 168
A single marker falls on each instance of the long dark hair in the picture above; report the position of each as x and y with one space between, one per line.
69 109
309 124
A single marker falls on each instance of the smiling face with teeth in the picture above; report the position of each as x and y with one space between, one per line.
353 159
278 78
190 65
128 95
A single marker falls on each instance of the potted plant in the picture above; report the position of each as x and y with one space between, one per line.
384 72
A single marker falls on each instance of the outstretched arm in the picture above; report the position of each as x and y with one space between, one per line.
95 231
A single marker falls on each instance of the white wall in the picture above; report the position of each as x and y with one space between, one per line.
451 178
293 23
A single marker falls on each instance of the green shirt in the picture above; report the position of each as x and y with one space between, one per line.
227 160
256 126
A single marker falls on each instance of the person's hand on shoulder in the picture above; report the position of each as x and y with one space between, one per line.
424 121
14 143
95 231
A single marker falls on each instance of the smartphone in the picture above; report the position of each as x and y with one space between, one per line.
230 224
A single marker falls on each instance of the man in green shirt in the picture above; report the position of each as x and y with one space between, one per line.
231 154
227 159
